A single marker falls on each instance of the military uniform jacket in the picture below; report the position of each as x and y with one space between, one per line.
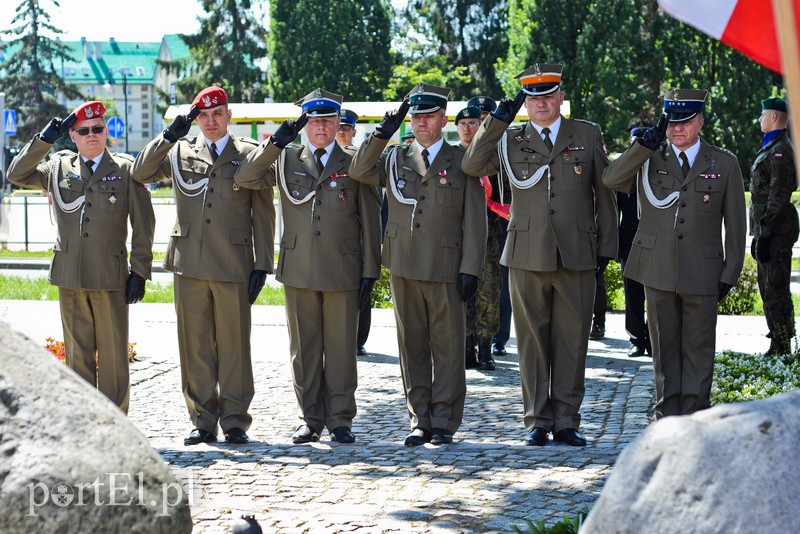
678 247
219 225
568 211
331 223
772 180
437 217
91 213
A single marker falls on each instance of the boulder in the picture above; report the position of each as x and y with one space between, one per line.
70 461
731 468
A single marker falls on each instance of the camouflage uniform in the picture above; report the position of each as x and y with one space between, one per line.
772 215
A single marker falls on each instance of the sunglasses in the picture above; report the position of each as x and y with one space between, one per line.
94 129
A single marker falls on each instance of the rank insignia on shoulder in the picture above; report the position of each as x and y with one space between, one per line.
660 171
710 176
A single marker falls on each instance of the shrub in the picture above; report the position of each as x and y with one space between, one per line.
382 293
614 291
742 298
745 377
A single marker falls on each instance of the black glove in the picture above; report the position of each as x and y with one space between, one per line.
288 130
602 263
391 121
654 136
507 109
134 288
56 128
762 249
467 286
257 280
365 292
723 289
181 125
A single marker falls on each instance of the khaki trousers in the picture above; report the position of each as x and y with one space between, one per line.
322 345
214 346
95 325
552 316
431 327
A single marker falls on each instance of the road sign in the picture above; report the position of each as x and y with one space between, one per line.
10 121
116 127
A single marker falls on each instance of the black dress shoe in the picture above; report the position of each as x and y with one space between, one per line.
537 436
441 437
342 434
236 435
418 436
499 350
361 351
598 332
570 436
198 435
636 351
305 434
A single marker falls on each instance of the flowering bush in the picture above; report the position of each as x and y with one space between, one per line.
57 349
745 377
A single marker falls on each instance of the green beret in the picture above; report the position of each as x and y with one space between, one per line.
777 104
469 112
408 135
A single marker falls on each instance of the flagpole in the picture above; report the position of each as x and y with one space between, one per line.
785 22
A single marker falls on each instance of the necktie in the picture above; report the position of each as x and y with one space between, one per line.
214 153
319 153
684 164
90 164
547 141
425 158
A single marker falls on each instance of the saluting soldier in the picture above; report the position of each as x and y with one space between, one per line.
218 228
433 246
774 224
93 198
329 259
688 191
563 226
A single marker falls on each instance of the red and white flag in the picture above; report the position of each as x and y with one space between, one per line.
746 25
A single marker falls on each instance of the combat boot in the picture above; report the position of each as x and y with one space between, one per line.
485 354
470 356
778 348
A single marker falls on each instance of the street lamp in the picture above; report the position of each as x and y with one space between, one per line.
108 85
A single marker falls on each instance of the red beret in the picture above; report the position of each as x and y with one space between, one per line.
210 97
90 110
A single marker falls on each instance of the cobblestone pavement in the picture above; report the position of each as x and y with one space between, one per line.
487 481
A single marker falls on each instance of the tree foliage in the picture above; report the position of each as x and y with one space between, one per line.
32 85
342 46
469 35
223 53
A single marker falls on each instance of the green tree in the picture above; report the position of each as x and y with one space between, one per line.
31 83
342 46
467 34
223 53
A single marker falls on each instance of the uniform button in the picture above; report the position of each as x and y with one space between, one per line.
683 188
213 175
416 225
319 202
425 184
208 221
422 197
86 219
89 190
681 220
210 189
88 204
319 187
316 217
683 204
552 195
317 232
419 211
680 236
208 205
86 235
552 212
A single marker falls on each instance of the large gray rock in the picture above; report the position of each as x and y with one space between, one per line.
729 469
70 461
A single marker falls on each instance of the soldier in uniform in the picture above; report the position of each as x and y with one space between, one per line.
688 191
434 245
774 224
329 259
93 198
211 247
347 127
563 223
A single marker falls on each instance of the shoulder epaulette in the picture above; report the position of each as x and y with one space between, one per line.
723 150
248 140
459 148
64 152
123 155
594 124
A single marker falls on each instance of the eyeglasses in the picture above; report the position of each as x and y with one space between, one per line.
470 124
94 129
